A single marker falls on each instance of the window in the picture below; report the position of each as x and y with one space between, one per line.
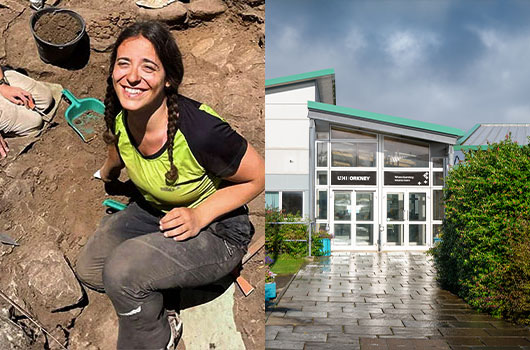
322 205
322 177
405 154
438 178
272 200
348 154
341 133
437 205
290 202
322 154
293 203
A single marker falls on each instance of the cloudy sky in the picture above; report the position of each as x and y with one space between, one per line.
455 63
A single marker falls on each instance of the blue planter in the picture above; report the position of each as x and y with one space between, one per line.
326 247
270 290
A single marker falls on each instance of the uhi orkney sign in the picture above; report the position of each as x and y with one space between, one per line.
353 178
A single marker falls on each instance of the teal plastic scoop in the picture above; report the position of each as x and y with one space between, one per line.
84 115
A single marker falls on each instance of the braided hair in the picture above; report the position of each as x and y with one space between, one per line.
169 54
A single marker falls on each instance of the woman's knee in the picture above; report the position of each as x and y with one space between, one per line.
122 272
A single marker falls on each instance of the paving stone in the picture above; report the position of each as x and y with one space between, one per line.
291 336
272 331
331 346
344 338
505 341
471 332
381 322
518 332
365 330
319 329
303 314
282 344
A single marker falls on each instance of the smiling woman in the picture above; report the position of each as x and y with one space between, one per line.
189 227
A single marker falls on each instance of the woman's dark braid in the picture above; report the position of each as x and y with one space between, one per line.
112 107
172 128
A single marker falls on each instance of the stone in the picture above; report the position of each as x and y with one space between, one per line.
174 12
206 9
210 325
12 337
48 275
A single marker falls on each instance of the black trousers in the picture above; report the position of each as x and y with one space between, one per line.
130 259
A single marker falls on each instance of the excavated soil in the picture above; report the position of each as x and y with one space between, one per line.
48 196
57 27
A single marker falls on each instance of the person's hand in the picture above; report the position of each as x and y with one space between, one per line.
3 147
17 96
181 224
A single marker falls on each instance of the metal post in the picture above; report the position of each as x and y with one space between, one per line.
309 225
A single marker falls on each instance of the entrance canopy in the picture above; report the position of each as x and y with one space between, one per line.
383 123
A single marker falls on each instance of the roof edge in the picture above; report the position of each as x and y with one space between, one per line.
385 118
468 134
299 77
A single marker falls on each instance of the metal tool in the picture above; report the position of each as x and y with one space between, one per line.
7 240
32 319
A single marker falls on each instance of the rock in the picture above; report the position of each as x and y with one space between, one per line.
12 5
103 26
175 12
48 276
254 2
202 47
12 337
219 56
253 16
210 325
206 9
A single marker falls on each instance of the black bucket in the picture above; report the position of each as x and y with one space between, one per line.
56 53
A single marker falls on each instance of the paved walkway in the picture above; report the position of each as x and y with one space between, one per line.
381 301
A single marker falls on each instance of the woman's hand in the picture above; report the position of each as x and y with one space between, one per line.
181 223
17 96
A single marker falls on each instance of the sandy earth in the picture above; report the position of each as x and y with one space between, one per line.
47 195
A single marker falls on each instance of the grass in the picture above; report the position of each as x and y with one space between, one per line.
287 265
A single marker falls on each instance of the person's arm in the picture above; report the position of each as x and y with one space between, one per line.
15 94
111 169
249 181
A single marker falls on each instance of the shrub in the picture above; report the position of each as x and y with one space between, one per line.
484 253
281 238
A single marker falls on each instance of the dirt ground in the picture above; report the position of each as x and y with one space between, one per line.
48 196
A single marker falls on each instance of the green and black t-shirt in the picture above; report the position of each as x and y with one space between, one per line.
206 149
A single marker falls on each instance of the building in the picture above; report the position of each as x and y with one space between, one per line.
373 181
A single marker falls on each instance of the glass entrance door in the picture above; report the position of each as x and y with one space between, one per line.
405 215
353 219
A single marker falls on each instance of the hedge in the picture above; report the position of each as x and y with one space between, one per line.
279 238
484 255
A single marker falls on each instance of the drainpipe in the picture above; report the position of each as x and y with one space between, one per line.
311 179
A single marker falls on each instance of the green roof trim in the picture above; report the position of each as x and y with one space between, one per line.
470 147
466 136
385 118
297 77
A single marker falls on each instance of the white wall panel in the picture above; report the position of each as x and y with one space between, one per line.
286 162
300 93
287 134
286 111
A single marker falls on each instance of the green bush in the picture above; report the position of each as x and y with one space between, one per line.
484 255
279 238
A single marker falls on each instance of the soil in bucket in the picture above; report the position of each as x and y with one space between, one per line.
57 28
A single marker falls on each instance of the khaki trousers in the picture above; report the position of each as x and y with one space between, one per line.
18 120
